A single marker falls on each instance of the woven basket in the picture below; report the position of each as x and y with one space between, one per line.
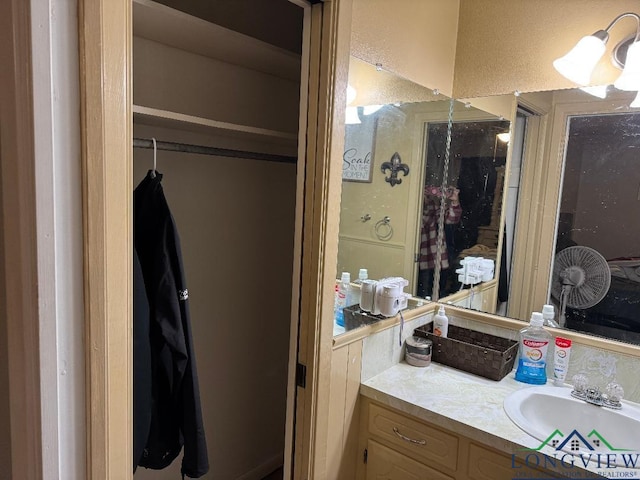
471 351
354 317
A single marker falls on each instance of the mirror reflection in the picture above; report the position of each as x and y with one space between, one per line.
575 239
517 180
474 186
596 272
383 170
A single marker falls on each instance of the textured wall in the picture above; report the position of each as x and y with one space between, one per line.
414 38
507 45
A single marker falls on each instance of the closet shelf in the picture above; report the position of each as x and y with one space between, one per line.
179 121
174 28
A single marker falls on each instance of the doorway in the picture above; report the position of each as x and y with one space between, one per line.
198 94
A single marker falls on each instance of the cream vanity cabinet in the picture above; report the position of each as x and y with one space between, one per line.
396 446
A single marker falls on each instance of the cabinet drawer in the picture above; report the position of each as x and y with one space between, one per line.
427 443
386 464
486 464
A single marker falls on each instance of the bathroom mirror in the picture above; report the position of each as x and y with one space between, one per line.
381 211
570 231
395 147
471 173
545 207
379 207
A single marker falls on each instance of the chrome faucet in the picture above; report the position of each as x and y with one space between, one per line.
593 395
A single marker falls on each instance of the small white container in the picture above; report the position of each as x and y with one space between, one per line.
561 355
440 323
418 351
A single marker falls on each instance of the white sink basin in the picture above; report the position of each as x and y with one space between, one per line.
560 421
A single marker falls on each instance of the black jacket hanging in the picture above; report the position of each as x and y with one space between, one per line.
176 417
142 398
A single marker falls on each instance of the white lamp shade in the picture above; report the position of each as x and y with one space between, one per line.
636 101
504 137
630 78
578 64
599 91
351 94
369 109
352 117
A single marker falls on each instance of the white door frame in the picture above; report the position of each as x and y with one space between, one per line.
41 284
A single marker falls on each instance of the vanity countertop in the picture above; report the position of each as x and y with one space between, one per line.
463 403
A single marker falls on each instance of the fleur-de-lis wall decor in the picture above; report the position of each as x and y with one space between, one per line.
395 165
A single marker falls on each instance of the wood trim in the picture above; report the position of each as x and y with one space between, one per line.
329 60
105 36
17 162
304 127
525 261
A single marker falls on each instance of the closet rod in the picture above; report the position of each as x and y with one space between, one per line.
221 152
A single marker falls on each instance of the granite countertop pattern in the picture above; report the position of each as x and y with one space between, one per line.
466 404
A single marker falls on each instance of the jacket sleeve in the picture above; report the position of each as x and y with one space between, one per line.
195 461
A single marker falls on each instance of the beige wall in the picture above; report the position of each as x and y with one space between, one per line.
507 45
235 220
415 39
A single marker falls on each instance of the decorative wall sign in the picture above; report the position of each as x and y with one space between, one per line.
395 165
357 159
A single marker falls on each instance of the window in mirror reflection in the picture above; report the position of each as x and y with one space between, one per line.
473 199
599 206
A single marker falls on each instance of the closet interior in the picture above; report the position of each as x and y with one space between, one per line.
217 84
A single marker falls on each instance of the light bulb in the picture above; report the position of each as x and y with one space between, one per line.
630 78
351 94
351 116
369 109
599 91
504 137
578 64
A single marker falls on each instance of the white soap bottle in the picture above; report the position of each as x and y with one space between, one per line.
357 292
548 316
440 323
363 275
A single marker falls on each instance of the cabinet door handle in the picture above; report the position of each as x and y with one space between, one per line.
407 439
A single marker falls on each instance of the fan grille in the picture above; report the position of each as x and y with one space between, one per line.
585 271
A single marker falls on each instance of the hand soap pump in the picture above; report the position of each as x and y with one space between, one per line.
534 342
548 315
440 323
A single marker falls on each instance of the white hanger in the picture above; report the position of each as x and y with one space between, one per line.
155 155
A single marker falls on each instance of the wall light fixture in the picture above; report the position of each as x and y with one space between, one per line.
579 63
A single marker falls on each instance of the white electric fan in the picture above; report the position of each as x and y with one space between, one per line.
581 278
